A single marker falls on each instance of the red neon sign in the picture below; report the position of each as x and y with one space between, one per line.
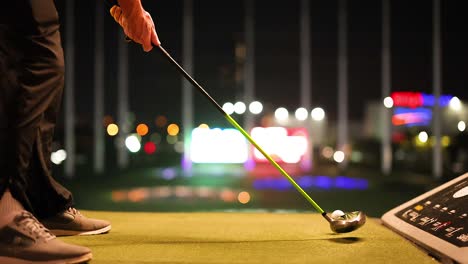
288 145
407 99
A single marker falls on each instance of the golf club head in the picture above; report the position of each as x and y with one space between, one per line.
347 222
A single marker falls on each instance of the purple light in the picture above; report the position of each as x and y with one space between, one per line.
308 182
411 116
342 182
323 182
168 173
429 100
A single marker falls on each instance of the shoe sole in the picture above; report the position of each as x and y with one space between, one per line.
61 232
75 260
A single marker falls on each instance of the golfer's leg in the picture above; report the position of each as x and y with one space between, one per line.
40 86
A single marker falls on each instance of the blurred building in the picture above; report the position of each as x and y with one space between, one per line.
411 130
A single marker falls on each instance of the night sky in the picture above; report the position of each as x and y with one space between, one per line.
155 87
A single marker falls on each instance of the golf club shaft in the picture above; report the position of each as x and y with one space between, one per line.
240 129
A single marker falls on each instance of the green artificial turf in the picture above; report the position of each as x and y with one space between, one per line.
242 238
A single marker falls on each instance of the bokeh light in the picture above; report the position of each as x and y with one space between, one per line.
388 102
243 197
239 108
301 114
228 108
142 129
327 152
445 141
203 126
58 156
179 147
255 107
339 156
156 138
132 143
161 121
461 126
171 139
149 148
423 136
281 114
455 104
107 120
227 195
173 129
112 130
318 114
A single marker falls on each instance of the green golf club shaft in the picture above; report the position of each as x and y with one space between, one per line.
240 129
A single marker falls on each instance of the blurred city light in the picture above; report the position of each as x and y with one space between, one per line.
228 108
357 156
179 147
218 146
149 148
227 195
445 141
142 129
281 114
161 121
239 108
138 195
107 120
112 130
288 145
388 102
327 152
339 156
169 173
301 114
461 126
58 156
171 139
243 197
203 126
455 104
183 192
417 99
423 136
132 142
173 129
411 116
156 138
307 182
255 107
318 114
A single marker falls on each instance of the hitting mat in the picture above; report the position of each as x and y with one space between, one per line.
242 238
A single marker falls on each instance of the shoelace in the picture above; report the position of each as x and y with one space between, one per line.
33 226
73 211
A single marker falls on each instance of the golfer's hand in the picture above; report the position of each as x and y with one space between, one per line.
137 25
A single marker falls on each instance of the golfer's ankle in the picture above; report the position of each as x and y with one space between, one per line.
9 204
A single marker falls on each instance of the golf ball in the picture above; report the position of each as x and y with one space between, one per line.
337 214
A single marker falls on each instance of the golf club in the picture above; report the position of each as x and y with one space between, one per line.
338 224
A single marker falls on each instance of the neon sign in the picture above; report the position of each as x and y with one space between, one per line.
416 99
287 145
411 117
218 146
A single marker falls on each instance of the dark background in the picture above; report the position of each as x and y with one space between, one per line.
155 88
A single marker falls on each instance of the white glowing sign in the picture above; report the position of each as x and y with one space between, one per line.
287 145
218 146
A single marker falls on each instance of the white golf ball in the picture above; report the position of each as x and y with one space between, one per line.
337 214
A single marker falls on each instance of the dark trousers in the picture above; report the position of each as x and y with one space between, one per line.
31 86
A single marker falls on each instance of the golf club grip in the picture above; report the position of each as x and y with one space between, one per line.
240 129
